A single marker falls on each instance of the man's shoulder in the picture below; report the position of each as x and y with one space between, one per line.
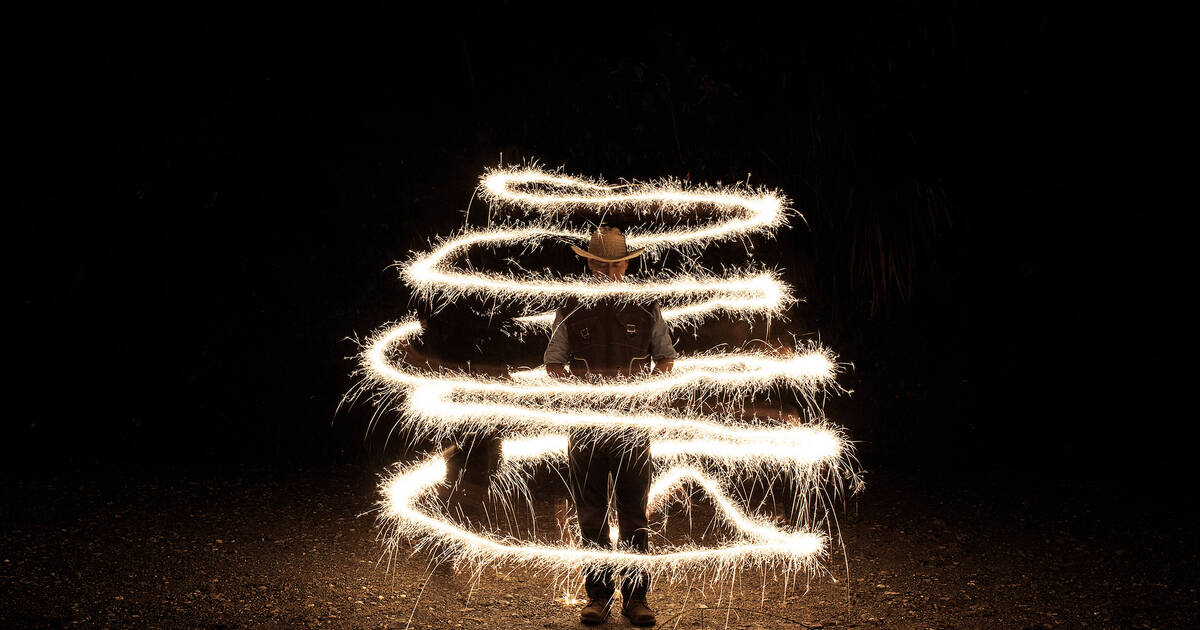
568 306
653 308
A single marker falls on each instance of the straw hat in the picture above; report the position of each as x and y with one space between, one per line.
608 245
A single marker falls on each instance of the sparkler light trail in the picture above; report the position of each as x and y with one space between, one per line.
686 297
695 416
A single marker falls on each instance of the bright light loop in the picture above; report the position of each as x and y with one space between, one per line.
764 540
690 444
688 298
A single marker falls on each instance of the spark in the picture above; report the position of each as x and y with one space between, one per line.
699 428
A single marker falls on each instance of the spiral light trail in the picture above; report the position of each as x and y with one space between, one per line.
692 443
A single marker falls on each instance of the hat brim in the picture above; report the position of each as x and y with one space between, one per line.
586 254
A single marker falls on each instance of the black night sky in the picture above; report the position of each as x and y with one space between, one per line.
211 203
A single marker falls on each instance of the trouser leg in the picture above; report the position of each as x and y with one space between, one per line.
475 461
588 468
631 485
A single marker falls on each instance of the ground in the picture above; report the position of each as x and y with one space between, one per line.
299 549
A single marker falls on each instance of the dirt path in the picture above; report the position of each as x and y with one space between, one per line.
296 551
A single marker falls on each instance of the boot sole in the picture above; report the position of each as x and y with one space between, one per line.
645 624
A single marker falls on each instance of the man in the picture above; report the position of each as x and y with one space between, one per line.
609 340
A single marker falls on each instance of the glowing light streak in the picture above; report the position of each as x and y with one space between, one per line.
682 315
692 444
764 541
731 373
687 297
801 446
684 294
762 212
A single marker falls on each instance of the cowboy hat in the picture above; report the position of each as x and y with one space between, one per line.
608 245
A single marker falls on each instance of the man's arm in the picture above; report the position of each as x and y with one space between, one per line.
661 347
558 351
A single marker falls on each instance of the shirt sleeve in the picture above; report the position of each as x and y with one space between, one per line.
661 347
558 350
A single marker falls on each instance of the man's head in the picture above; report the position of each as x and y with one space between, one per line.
614 271
607 255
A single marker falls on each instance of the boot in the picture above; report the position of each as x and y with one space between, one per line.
595 612
638 612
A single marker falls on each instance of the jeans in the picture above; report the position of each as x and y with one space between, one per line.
591 460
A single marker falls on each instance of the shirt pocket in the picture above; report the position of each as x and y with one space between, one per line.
634 330
581 331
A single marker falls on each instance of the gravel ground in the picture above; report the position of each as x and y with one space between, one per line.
298 550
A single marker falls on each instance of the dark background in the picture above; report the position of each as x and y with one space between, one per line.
212 204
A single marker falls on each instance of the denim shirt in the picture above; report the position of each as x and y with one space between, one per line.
661 348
